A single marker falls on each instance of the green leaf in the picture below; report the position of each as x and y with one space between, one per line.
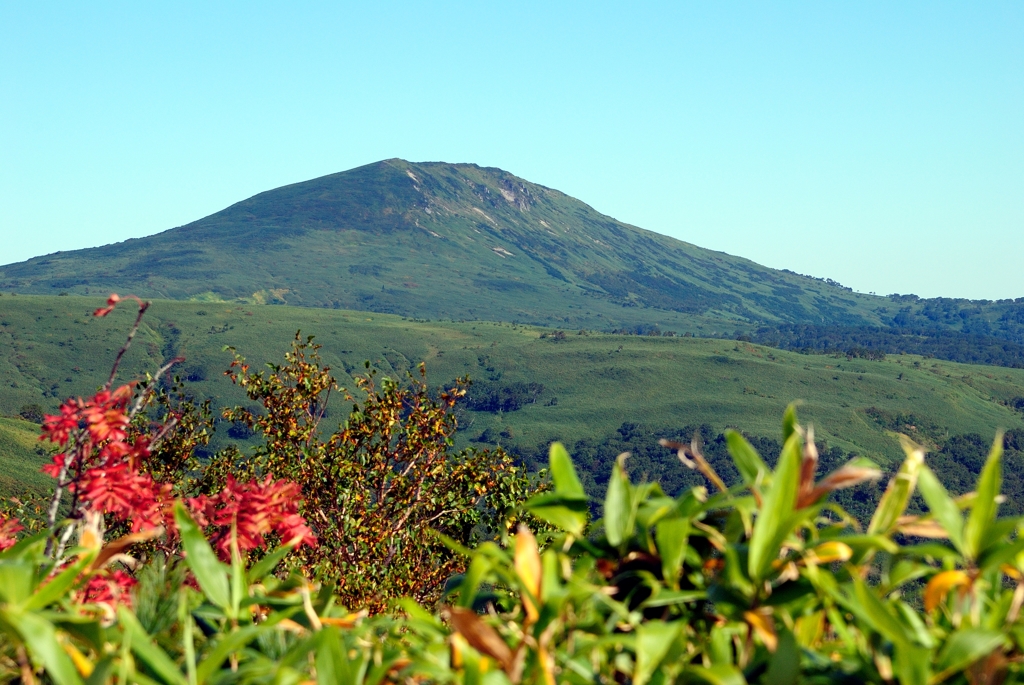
17 580
563 473
719 648
789 422
719 674
1001 554
966 646
653 640
943 508
997 534
185 620
914 623
928 550
618 509
775 518
665 598
672 536
102 672
332 663
748 461
211 574
654 509
693 501
569 514
478 569
224 647
983 513
147 651
239 589
877 614
784 666
912 665
896 497
57 588
268 563
40 638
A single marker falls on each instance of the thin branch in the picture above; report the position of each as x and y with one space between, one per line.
70 456
144 396
143 306
62 545
162 433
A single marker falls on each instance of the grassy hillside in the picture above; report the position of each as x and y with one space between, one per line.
21 456
464 242
51 348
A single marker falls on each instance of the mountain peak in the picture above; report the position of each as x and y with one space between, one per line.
441 239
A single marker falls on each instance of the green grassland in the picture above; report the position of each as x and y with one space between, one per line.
51 348
21 457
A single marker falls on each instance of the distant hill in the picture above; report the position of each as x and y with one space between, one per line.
531 384
458 241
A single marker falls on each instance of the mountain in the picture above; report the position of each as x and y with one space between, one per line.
459 241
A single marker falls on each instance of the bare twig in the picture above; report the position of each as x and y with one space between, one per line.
143 306
25 666
144 396
70 457
163 432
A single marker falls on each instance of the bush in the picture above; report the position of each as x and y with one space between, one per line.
239 430
502 397
384 489
31 412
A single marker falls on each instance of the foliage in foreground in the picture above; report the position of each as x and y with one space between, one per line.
762 582
374 488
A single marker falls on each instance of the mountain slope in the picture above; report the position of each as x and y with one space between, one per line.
464 242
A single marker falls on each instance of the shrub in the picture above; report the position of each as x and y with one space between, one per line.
239 430
762 582
386 485
502 397
31 412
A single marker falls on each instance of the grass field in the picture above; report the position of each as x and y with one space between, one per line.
21 457
51 348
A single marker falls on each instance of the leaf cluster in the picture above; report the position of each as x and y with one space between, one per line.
387 485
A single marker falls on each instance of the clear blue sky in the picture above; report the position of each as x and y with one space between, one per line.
879 144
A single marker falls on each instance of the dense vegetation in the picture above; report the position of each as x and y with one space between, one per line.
128 452
956 460
867 341
592 383
762 582
393 560
214 523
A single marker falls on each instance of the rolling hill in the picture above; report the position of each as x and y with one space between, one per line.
458 241
532 385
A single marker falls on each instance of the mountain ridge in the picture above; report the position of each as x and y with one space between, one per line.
462 241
